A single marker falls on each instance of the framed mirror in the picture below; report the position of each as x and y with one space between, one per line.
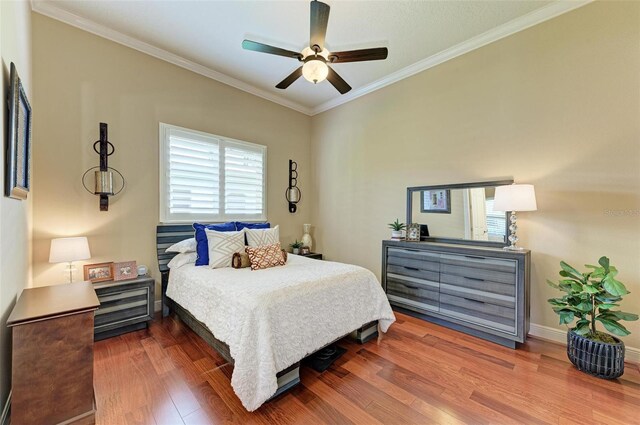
459 213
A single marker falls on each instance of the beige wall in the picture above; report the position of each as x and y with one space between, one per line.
85 80
15 215
557 106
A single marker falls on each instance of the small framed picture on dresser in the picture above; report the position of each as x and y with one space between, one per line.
125 270
98 272
413 232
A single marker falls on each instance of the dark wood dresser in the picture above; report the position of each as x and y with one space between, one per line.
478 290
52 355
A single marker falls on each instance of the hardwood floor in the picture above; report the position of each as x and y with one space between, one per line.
418 373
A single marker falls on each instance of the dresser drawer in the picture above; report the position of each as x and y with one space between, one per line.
414 272
421 260
478 313
418 290
479 274
500 288
479 262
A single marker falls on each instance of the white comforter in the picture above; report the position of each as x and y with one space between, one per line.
272 318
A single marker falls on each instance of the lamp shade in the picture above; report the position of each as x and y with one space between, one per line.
64 250
515 197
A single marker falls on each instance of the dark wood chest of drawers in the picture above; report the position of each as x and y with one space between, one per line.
481 291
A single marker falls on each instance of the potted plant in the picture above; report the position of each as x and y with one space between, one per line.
592 297
295 247
396 229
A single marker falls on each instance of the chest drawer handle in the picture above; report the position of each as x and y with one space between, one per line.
475 257
474 278
411 287
475 301
415 269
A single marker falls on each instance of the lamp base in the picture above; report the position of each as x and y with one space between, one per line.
513 248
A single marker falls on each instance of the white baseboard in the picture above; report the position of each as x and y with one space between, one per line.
157 306
5 410
632 354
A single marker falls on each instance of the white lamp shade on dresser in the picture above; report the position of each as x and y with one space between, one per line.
515 197
65 250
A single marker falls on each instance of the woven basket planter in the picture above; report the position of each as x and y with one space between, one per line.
596 358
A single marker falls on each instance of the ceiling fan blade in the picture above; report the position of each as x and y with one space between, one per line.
378 53
337 81
272 50
319 21
290 79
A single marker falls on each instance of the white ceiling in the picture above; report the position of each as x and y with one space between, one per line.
206 36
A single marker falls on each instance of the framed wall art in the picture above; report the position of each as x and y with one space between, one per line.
98 272
18 159
435 201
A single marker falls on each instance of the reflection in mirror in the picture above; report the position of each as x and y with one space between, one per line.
459 213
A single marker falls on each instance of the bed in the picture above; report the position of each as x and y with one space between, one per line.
265 322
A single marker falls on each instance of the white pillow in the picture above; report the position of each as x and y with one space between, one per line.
182 259
187 245
262 237
222 246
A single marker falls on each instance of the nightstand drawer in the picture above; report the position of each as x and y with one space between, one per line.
124 306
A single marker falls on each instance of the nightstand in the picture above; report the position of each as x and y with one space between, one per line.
125 306
314 255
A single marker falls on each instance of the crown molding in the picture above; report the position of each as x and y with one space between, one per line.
516 25
519 24
52 11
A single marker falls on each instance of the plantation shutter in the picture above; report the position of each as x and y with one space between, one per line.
243 180
194 175
496 221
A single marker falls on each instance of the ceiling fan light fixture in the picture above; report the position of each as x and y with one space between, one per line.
315 71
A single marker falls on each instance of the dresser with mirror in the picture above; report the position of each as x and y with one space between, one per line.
458 274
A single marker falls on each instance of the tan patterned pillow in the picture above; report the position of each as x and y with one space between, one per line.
266 256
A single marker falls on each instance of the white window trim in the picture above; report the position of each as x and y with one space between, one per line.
166 217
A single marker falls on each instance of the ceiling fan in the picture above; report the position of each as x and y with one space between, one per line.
316 58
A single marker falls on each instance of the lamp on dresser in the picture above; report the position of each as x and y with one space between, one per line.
68 250
513 198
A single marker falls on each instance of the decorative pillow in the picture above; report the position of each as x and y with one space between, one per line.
202 247
241 260
187 245
262 237
222 245
243 225
182 259
263 257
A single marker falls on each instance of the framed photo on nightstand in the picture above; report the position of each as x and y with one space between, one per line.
99 272
125 270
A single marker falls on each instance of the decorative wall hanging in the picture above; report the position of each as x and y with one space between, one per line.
18 160
104 186
293 194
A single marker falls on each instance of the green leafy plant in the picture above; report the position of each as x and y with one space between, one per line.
296 244
397 226
591 297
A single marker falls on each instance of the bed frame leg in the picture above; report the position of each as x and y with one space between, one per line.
366 332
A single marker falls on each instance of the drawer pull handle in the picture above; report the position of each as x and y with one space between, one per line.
411 287
475 301
415 269
475 257
474 278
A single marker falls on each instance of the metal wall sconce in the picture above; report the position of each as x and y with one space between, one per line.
293 194
104 186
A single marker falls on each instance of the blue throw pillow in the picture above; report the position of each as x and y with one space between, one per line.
202 246
241 225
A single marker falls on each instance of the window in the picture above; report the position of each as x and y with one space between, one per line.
204 177
496 222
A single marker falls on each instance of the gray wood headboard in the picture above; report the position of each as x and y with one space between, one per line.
167 235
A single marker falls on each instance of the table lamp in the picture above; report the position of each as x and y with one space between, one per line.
68 250
513 198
